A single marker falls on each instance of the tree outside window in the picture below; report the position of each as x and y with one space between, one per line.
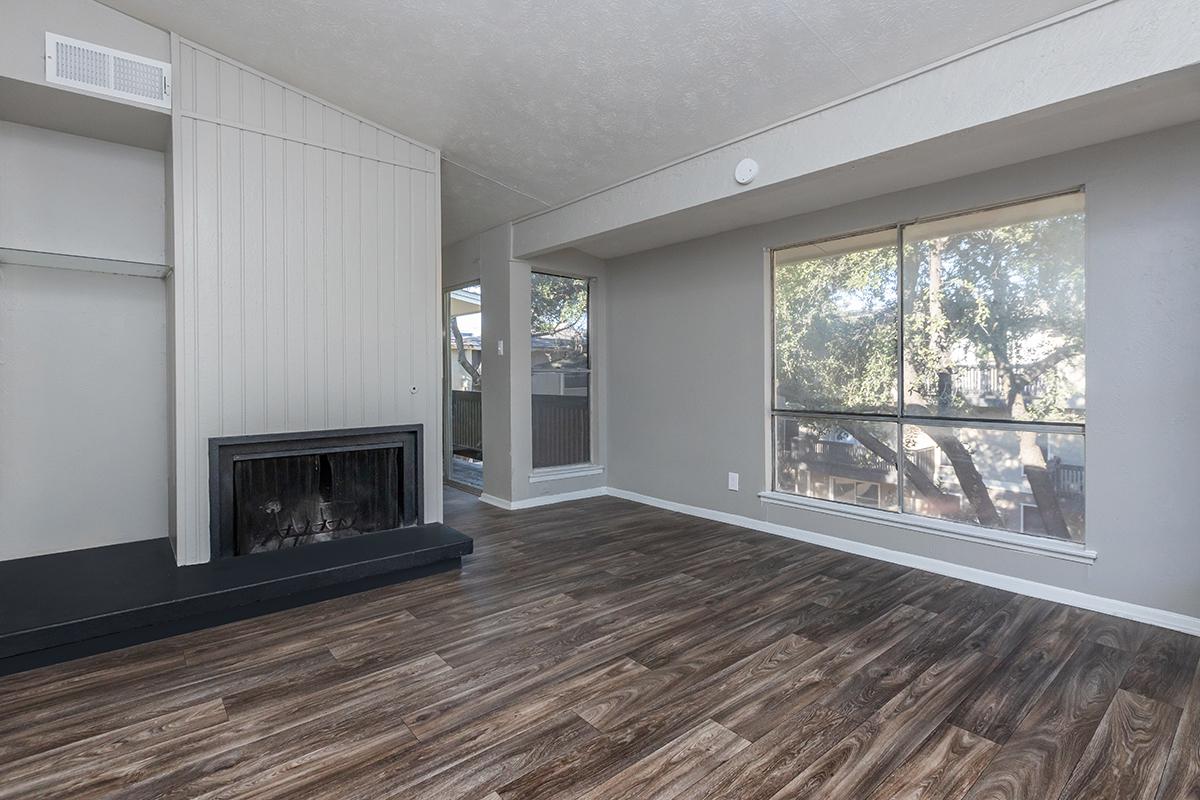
940 364
561 370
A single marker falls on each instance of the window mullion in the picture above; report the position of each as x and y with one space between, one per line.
900 367
973 450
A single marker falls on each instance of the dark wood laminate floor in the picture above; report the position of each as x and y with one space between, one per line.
606 650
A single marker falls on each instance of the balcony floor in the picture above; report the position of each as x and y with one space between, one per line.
467 472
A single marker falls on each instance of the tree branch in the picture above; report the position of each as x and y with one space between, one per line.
960 459
919 480
464 362
1032 372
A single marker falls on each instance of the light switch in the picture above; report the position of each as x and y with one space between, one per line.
733 481
499 347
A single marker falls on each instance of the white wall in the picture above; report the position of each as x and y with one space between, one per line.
307 275
71 194
460 263
678 424
83 377
25 23
26 97
83 410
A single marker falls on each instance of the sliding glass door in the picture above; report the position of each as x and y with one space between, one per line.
464 388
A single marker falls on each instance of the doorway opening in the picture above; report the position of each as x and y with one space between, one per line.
463 433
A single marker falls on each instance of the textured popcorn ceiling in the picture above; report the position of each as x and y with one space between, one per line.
553 100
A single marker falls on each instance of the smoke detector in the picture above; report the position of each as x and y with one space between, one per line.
745 171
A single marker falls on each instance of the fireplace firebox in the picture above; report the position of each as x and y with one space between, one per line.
280 491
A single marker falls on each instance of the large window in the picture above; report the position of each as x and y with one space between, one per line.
937 368
561 378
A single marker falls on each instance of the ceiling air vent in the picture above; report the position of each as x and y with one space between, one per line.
83 65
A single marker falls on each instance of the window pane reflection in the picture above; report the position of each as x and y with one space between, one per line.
1026 481
835 325
847 461
993 313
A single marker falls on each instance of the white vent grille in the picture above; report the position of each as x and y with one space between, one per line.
83 65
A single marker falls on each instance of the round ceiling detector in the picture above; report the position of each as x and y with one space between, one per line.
746 171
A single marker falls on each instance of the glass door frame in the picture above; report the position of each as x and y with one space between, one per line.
447 390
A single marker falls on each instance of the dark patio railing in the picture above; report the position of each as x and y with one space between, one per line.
849 454
1068 478
561 428
466 432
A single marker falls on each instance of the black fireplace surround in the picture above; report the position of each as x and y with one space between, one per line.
280 491
340 509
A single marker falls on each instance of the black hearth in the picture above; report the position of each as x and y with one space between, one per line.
282 491
349 518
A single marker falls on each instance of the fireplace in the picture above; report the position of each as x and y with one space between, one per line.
282 491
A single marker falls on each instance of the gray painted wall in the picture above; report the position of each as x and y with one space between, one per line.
507 410
689 366
495 279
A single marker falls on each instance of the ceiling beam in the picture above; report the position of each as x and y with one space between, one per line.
1034 72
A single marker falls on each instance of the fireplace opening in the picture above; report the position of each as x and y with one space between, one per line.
295 490
298 500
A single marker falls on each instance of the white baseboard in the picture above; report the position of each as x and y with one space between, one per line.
544 500
544 474
1045 591
1056 594
498 502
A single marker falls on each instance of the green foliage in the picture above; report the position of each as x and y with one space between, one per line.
1009 309
558 305
836 332
1011 301
559 311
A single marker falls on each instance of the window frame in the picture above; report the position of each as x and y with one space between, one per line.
1073 550
589 466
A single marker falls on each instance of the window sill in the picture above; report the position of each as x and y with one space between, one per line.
1024 543
563 473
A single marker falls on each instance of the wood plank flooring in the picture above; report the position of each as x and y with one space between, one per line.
602 650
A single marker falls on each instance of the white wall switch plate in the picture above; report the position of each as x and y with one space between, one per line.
499 347
733 481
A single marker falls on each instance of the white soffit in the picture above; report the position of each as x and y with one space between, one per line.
1115 68
471 202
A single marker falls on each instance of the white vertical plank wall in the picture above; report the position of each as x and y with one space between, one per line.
305 289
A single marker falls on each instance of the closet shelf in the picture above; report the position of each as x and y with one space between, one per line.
35 258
